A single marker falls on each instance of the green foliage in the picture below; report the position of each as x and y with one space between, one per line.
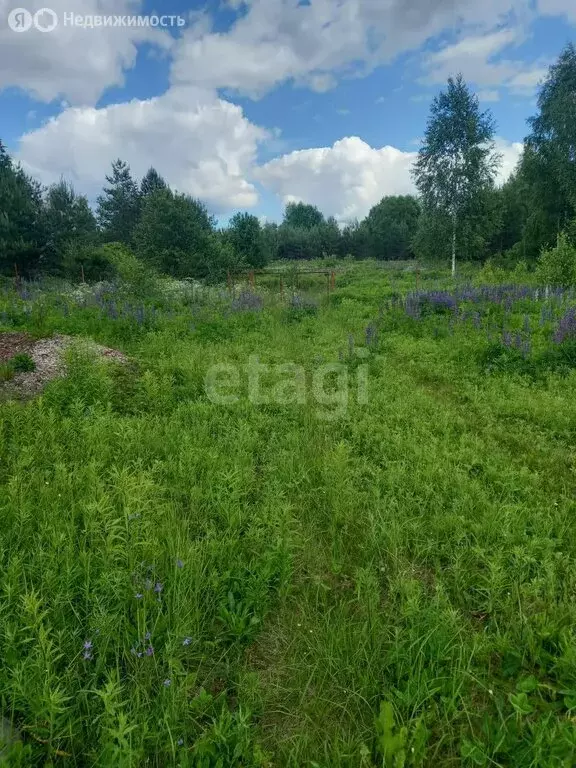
21 232
119 205
553 130
246 238
152 182
390 227
456 163
138 278
22 363
302 216
176 235
557 266
70 228
416 551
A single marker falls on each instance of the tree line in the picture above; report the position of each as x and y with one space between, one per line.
459 213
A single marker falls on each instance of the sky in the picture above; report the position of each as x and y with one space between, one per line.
251 104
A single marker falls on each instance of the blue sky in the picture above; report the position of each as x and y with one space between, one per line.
252 104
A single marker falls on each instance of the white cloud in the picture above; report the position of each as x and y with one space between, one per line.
70 61
203 145
476 58
344 180
510 152
488 95
311 44
558 8
347 179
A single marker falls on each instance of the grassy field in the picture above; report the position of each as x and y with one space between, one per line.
371 561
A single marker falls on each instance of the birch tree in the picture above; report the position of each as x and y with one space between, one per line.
457 161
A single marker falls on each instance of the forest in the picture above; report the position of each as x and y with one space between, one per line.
459 209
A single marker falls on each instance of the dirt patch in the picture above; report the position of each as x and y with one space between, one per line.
48 357
12 344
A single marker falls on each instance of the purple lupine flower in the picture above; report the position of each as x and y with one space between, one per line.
87 656
567 327
88 645
247 301
149 651
371 335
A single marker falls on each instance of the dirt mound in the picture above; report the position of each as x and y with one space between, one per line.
48 357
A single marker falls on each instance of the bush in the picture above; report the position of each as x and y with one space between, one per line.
138 278
22 363
557 266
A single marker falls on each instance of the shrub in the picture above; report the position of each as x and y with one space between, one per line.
557 266
22 363
138 277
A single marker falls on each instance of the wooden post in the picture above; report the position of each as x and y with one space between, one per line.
417 277
333 280
82 270
229 281
251 279
328 284
17 276
282 287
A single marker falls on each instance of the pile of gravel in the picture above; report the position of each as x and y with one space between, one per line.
48 357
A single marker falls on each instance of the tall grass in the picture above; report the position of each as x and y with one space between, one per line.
184 583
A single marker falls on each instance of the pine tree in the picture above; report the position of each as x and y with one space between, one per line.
69 224
152 182
457 158
175 235
119 206
21 234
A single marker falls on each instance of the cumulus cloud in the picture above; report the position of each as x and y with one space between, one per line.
558 8
510 152
476 58
202 144
347 179
344 180
73 62
312 43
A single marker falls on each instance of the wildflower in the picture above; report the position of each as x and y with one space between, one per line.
87 656
158 587
187 641
138 595
148 585
179 564
149 651
167 683
147 636
180 742
88 645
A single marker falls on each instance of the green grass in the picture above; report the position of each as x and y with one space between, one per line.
393 587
